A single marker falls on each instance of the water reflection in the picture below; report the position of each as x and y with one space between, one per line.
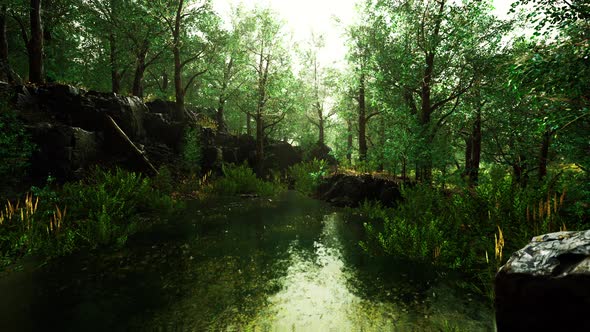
291 264
315 295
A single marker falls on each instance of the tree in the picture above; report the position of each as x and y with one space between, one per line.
6 72
319 79
271 72
359 57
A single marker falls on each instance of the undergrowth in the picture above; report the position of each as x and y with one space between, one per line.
470 230
241 180
307 176
103 210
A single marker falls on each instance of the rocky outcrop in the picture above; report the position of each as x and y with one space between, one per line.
546 285
322 152
223 147
74 129
352 190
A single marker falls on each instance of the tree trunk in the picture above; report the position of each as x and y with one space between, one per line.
6 72
472 166
362 120
248 124
381 166
321 126
349 141
140 67
424 169
165 81
178 88
544 156
115 76
259 144
35 45
220 117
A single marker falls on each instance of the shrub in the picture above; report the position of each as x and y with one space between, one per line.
240 179
108 207
15 146
307 176
191 150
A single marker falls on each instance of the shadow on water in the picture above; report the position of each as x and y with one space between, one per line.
291 264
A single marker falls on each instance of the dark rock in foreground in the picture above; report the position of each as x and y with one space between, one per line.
546 285
352 190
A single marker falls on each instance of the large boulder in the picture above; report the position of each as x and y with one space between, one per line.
62 150
352 190
545 286
322 152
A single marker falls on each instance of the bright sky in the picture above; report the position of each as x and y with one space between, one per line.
305 16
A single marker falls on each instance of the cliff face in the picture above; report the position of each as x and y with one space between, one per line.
74 129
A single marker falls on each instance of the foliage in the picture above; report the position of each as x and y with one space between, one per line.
456 229
15 146
103 210
307 176
240 179
24 230
191 150
108 207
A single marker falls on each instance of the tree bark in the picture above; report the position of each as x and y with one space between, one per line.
349 139
35 45
362 120
321 126
178 88
544 156
115 75
473 152
140 68
248 124
6 72
259 145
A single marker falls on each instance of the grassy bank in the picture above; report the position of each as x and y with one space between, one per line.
101 211
474 230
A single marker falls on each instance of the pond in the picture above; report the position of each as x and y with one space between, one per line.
284 264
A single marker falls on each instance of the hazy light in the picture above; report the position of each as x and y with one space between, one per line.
322 17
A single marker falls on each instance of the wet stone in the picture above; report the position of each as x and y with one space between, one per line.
545 286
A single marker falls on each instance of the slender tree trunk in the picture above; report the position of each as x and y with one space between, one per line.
473 152
140 67
404 168
6 72
35 47
178 88
381 167
321 140
115 75
248 124
259 145
362 120
424 169
349 139
165 81
544 156
220 116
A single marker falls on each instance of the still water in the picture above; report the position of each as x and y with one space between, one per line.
286 264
